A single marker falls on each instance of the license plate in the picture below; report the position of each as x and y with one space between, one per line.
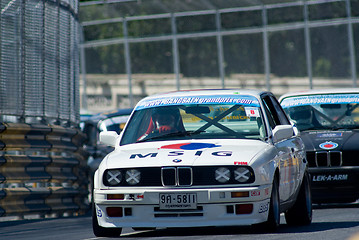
178 201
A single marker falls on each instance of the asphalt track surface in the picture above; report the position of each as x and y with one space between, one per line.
330 222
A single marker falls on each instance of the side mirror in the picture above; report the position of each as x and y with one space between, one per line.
109 138
282 132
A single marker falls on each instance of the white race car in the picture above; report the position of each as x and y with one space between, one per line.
203 158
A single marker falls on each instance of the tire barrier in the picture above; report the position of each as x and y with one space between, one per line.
43 170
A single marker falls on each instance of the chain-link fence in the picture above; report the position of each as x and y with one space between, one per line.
278 45
39 63
43 165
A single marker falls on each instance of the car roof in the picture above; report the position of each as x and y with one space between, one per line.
108 114
207 92
319 91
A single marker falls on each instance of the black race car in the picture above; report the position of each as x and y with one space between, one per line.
328 121
93 125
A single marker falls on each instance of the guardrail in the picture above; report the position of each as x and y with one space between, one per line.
43 170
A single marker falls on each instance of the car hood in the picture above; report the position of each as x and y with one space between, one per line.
186 153
330 140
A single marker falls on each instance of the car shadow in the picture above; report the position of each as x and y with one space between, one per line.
251 230
336 205
209 231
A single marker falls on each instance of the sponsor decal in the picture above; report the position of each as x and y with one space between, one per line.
179 153
225 99
266 191
189 146
330 135
98 212
143 156
183 147
222 153
328 145
255 193
140 196
252 112
327 178
240 163
263 208
320 99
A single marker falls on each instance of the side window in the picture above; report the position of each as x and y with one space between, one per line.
271 112
269 116
275 111
281 114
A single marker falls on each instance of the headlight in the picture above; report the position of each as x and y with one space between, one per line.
114 177
242 174
222 174
133 176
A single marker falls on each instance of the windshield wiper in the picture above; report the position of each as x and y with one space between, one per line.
173 134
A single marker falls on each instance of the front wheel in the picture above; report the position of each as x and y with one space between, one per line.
273 220
101 231
301 212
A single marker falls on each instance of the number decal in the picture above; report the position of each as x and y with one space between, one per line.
263 208
99 212
252 112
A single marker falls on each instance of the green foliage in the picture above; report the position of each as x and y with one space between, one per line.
198 57
287 53
243 54
154 57
322 67
152 27
233 20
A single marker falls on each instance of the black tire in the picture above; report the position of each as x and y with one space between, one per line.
101 231
273 221
301 212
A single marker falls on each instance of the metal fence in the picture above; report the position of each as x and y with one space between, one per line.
43 166
314 40
39 63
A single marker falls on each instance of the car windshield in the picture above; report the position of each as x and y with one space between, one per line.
330 112
211 121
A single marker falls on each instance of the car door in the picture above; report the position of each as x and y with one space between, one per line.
288 150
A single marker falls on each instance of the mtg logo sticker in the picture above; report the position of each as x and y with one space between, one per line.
181 149
328 145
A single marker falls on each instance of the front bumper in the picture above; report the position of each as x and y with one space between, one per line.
334 184
215 207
